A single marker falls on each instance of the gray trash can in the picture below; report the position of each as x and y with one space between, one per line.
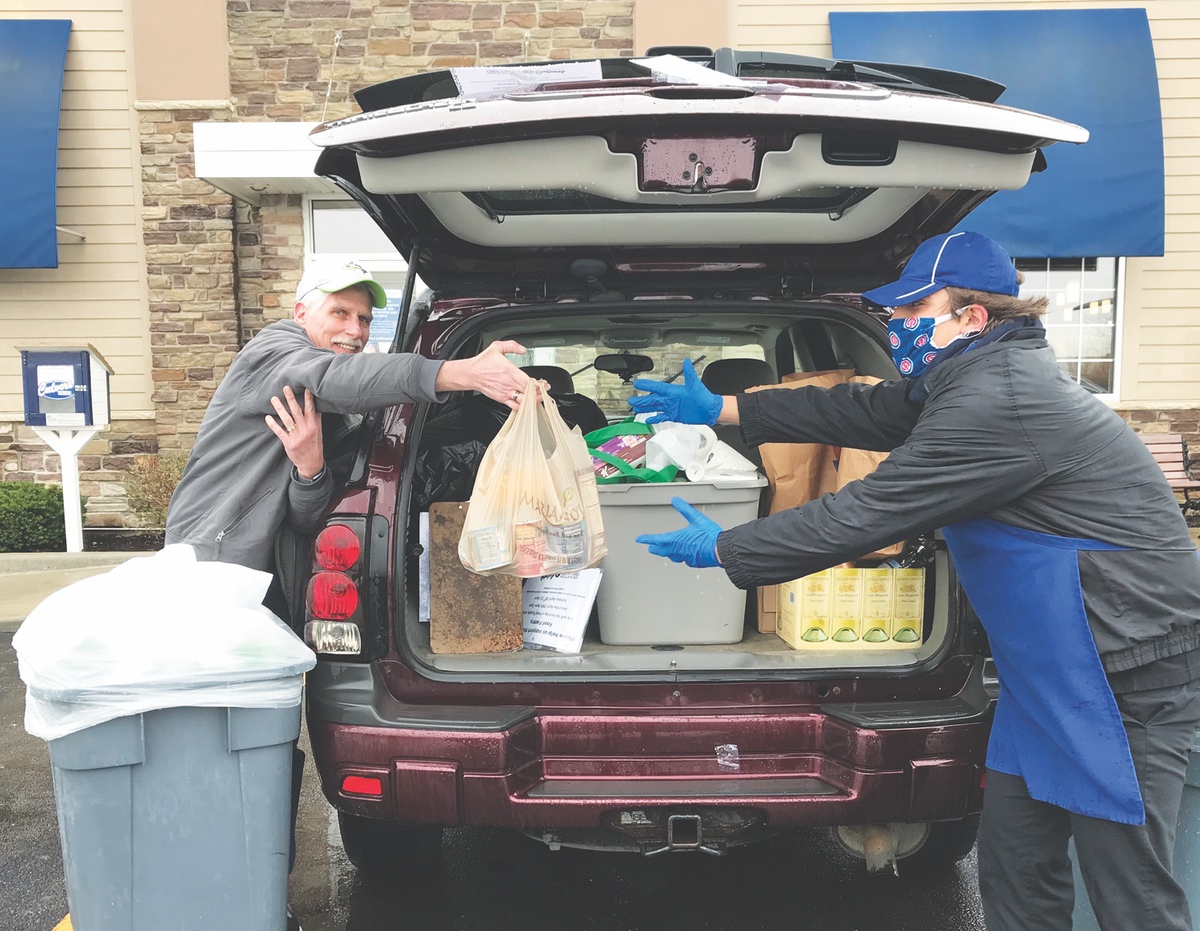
178 819
1186 858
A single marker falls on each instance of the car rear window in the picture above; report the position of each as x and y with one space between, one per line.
607 389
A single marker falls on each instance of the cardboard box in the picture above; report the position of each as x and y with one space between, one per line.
768 609
468 612
814 609
804 609
908 606
846 612
877 605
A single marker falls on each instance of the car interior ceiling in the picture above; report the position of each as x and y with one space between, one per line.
741 352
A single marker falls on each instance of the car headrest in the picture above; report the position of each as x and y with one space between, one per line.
559 378
731 376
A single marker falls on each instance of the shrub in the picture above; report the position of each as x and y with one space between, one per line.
150 485
31 518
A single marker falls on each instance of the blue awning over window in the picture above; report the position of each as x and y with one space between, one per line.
32 55
1091 67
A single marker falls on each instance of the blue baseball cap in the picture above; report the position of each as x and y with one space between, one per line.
952 260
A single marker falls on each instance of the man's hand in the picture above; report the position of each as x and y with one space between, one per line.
690 402
695 544
489 373
299 429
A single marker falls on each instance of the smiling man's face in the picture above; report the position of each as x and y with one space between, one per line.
341 323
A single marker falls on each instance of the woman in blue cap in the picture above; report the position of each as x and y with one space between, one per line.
1068 542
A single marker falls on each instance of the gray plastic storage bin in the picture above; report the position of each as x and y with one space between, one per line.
648 600
1186 859
177 819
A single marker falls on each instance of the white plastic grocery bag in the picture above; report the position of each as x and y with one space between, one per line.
162 631
535 510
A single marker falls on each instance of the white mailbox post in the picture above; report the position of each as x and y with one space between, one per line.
66 403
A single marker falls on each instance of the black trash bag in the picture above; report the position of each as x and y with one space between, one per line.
577 410
446 473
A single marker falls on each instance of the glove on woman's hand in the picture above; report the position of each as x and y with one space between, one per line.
690 402
695 544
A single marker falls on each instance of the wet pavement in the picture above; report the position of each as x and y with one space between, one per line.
498 880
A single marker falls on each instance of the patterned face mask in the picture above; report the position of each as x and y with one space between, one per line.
911 339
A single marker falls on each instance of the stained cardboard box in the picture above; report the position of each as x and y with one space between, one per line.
468 612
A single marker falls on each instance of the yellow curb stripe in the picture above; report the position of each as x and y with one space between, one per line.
64 925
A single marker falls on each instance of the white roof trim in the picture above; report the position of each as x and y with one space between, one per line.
249 160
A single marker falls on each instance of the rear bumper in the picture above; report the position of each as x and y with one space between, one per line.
538 768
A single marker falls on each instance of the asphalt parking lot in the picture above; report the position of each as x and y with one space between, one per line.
497 880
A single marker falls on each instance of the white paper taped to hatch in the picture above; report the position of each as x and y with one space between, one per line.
484 81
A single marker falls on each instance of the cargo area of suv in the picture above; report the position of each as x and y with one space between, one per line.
812 337
725 207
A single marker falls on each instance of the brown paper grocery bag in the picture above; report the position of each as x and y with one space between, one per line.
801 472
796 472
855 464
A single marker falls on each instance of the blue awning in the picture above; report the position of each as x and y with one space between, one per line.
1091 67
32 55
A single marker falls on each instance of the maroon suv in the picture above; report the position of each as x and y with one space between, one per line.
719 207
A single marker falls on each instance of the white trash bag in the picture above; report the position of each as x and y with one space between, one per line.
162 631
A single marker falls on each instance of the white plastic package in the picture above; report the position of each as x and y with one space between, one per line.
695 449
162 631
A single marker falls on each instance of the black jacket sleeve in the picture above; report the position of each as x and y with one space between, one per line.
876 417
961 460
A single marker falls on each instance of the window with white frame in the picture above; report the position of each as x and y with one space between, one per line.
1083 316
340 229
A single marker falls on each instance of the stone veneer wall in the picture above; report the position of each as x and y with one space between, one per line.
1185 422
218 270
104 464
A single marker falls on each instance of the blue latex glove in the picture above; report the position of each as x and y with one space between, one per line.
695 544
690 402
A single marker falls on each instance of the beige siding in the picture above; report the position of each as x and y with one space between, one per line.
97 294
1160 352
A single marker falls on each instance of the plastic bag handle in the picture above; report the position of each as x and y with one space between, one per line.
636 473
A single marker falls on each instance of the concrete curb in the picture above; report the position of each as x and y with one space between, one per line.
28 578
54 562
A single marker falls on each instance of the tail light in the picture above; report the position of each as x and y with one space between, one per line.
343 598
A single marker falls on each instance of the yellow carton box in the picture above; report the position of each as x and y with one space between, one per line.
847 605
853 609
877 606
908 606
804 608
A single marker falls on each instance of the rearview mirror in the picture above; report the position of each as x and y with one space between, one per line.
623 364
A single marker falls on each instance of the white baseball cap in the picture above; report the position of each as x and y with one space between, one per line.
337 276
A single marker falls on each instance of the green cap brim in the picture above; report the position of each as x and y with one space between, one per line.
378 295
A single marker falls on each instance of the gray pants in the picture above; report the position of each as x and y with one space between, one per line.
1025 877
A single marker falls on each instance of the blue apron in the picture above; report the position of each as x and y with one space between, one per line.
1056 725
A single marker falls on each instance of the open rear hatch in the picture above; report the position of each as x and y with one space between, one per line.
834 179
651 208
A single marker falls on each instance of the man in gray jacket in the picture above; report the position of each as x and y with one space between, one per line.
244 482
1069 544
